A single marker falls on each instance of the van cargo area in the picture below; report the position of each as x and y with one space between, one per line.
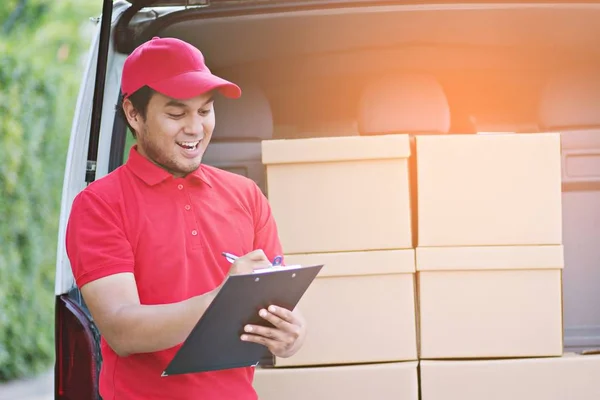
442 155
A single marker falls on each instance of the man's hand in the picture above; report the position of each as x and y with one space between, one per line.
245 264
286 338
249 262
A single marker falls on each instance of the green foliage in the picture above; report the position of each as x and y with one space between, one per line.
41 46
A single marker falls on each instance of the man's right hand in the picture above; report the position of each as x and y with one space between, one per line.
245 264
249 262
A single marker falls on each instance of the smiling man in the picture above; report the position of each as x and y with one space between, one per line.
145 241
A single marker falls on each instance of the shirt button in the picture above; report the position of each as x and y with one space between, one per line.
180 186
194 232
187 207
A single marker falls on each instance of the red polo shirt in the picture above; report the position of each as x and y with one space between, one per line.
169 232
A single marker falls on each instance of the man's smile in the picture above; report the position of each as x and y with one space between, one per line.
189 145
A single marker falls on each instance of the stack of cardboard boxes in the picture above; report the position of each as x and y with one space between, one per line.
481 286
489 262
344 202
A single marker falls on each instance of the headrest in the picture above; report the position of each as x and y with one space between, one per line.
403 104
571 101
248 117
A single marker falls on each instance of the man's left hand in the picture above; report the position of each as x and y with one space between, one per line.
285 338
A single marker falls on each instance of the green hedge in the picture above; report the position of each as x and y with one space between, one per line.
40 68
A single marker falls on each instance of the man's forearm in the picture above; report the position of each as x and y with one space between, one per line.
150 328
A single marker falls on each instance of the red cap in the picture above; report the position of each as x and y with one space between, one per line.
174 68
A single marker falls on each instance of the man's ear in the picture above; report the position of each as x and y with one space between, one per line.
133 116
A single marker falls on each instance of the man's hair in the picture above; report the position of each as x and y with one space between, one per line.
140 99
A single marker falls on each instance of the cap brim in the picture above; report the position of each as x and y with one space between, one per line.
195 83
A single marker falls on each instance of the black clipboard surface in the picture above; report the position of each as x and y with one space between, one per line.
215 343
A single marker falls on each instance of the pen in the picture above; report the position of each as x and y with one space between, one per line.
231 258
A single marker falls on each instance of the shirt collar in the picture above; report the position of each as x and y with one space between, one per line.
152 174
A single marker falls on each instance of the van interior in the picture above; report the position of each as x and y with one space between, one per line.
315 70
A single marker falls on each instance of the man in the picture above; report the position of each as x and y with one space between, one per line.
145 241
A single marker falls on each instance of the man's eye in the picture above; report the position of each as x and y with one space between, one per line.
175 115
204 113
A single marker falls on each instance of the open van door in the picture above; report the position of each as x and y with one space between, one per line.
78 356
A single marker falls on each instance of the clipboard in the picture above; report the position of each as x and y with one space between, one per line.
214 343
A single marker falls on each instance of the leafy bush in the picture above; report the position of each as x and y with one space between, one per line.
40 67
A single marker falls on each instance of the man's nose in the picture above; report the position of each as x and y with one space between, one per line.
194 125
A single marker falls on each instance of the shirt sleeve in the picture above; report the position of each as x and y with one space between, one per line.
266 236
96 243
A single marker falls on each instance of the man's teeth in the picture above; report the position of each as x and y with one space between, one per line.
189 145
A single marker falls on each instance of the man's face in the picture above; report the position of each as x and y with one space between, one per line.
175 133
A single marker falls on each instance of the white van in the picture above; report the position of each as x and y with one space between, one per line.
500 66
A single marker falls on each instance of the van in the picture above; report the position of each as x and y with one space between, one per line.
470 67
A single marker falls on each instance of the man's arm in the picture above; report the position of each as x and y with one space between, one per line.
129 327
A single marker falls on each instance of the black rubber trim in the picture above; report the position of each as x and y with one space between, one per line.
118 140
107 10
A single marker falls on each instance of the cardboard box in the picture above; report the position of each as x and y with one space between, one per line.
489 190
490 302
359 309
558 378
340 193
388 381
